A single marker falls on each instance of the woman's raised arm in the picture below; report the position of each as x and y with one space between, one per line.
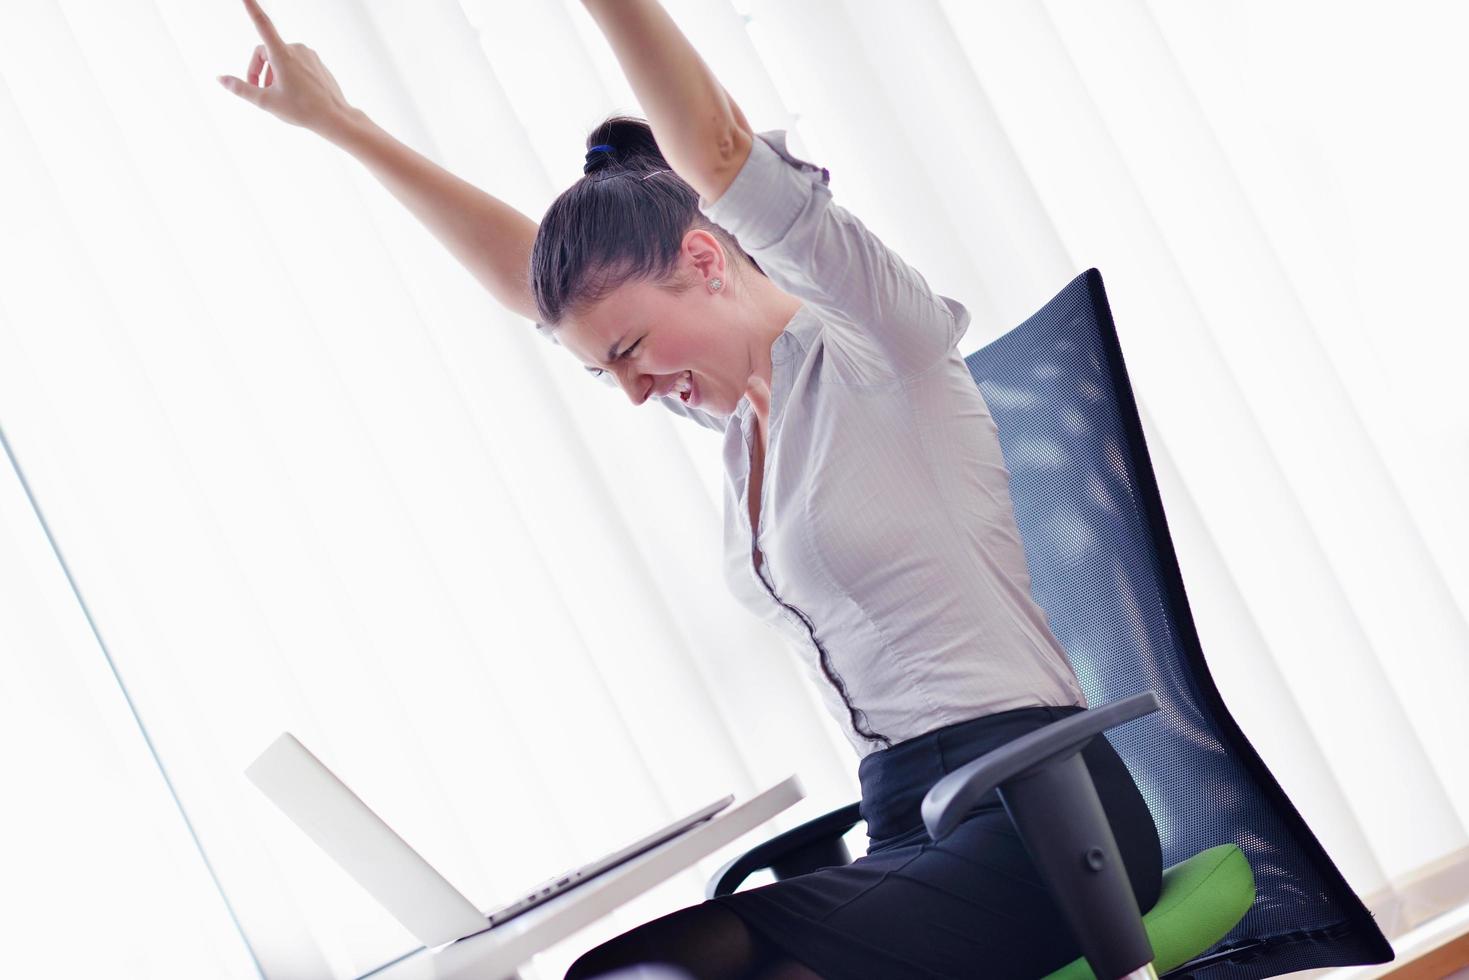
699 128
487 236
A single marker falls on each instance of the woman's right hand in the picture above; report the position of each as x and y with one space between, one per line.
297 87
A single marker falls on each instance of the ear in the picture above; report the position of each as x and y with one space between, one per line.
706 254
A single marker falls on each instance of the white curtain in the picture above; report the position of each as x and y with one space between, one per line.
273 461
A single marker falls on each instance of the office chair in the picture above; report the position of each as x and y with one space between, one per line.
1247 889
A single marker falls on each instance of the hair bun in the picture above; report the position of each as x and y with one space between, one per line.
615 224
626 142
598 157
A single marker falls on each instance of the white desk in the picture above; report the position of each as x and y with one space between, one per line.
498 953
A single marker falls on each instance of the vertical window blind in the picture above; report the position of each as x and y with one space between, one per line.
272 460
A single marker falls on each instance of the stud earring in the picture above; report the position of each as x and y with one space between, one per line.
716 284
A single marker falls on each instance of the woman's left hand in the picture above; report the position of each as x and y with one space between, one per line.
296 87
759 394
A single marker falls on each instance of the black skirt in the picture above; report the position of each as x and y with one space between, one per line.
970 906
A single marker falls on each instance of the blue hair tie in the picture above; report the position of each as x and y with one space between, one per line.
599 148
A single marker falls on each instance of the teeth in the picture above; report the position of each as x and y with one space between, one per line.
685 383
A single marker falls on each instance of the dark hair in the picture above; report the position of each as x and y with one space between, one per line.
622 221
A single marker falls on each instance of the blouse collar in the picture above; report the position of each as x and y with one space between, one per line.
781 351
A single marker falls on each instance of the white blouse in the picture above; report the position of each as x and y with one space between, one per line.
885 511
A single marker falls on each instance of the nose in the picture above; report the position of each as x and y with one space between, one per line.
637 387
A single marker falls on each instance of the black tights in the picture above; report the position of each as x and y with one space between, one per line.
708 941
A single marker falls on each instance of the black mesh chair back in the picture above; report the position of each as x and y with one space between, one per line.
1103 568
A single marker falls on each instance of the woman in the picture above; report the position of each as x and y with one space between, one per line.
867 507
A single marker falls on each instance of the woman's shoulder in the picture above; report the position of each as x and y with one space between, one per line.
887 322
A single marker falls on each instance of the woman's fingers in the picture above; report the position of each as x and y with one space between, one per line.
264 58
257 62
289 81
250 93
274 46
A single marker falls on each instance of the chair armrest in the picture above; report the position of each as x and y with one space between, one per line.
1047 789
952 797
814 844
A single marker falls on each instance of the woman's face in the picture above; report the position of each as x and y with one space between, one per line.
650 339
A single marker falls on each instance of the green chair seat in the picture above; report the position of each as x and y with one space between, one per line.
1202 899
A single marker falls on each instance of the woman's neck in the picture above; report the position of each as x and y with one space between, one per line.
774 309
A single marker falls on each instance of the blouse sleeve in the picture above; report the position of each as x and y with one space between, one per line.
671 402
888 323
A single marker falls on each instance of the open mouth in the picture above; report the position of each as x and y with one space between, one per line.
686 390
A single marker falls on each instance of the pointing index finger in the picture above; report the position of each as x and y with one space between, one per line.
274 46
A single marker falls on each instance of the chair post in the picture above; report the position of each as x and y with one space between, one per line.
1057 813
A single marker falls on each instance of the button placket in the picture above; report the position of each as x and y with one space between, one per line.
749 430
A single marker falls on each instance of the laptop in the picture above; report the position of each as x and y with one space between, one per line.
393 872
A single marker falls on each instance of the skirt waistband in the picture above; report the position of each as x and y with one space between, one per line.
895 780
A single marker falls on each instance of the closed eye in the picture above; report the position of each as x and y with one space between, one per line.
596 372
